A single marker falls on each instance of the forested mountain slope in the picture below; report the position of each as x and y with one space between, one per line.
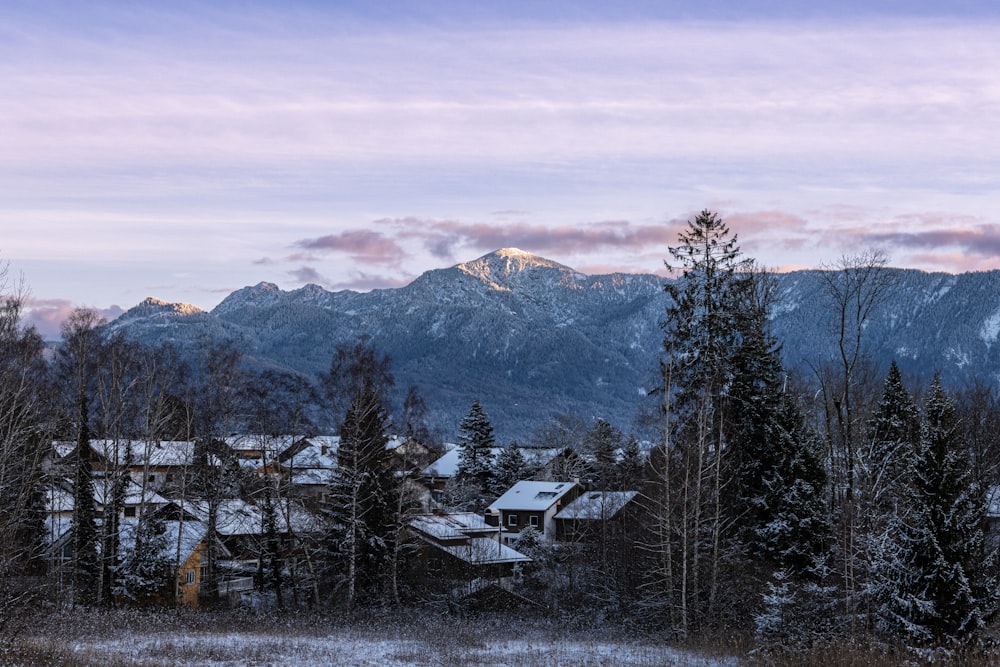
532 339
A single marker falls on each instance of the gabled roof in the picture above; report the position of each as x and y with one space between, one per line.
447 465
597 505
482 551
180 539
235 516
532 496
156 453
59 498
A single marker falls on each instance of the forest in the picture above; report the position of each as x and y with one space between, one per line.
839 507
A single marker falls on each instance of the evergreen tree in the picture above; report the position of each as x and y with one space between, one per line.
145 562
85 557
630 467
721 378
791 523
893 432
929 578
475 463
361 502
510 468
602 442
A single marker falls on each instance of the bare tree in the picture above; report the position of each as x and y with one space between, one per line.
24 435
855 287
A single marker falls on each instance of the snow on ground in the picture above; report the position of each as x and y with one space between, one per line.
240 649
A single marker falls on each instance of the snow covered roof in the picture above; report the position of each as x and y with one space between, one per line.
235 516
260 443
179 539
482 551
134 495
447 465
311 477
596 505
532 496
451 526
161 453
60 499
993 502
319 452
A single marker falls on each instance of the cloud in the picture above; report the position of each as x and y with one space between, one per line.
982 241
308 274
47 315
364 246
443 237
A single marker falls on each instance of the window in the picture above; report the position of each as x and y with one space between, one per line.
130 512
151 479
533 520
511 519
189 577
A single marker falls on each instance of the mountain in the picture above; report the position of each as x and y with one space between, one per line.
532 339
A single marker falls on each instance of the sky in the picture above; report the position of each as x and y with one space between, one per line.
184 150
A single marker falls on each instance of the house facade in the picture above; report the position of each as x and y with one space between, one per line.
530 504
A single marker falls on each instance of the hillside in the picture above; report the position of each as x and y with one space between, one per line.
531 338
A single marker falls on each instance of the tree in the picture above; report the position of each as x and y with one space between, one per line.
415 416
361 502
78 357
602 443
354 369
24 434
856 287
475 463
700 334
892 435
930 580
509 468
630 466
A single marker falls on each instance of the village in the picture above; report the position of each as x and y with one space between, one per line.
470 557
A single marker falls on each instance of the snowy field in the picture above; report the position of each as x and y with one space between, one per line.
162 640
244 650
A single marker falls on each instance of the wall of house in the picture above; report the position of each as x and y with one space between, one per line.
187 593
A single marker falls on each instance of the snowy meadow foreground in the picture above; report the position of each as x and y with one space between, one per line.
161 639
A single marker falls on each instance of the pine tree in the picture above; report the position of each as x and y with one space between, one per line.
602 442
893 432
929 580
361 502
510 467
85 557
145 564
630 466
475 463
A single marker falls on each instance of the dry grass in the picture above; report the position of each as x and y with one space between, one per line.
129 637
393 639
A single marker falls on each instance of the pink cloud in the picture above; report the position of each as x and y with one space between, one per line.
442 237
362 245
47 315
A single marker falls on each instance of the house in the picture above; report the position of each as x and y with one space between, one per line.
164 466
308 464
596 513
462 550
543 463
530 503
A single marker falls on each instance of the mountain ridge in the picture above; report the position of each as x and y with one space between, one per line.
533 339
